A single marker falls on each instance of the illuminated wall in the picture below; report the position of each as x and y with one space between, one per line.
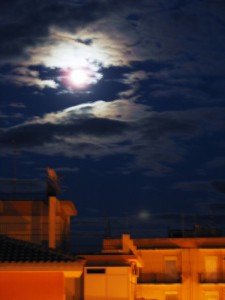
32 286
179 268
186 274
40 222
111 283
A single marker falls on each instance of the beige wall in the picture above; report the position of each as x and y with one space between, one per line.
191 264
116 283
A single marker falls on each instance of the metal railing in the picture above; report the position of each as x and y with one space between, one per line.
213 277
159 278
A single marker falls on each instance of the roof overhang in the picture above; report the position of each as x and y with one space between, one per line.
70 269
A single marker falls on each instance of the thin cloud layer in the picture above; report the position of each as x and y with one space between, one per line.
103 129
157 68
111 33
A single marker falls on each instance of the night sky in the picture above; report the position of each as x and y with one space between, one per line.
124 99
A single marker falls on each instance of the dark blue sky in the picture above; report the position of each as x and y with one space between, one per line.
143 135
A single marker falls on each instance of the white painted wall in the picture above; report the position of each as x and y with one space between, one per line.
114 283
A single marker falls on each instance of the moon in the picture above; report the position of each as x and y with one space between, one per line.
79 77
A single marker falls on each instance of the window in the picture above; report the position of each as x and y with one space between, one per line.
171 269
211 268
171 296
96 271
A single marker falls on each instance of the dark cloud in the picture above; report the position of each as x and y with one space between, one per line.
152 138
38 134
27 24
216 162
219 186
207 185
219 207
164 123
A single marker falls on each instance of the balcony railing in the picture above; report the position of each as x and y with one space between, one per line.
158 278
212 277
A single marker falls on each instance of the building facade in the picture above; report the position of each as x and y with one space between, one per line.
179 268
31 211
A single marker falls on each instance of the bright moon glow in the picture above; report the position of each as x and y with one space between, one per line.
79 64
79 77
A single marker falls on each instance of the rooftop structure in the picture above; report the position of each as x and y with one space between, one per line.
31 213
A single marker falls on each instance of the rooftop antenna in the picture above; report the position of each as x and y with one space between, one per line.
14 168
182 224
108 229
53 182
211 219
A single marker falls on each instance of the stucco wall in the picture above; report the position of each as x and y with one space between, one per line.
32 285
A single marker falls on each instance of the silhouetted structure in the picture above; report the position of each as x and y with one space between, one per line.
30 210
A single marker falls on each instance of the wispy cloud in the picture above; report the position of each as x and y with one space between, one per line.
111 33
101 129
215 185
17 105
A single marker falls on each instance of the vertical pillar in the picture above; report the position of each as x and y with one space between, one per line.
52 206
195 272
125 243
187 276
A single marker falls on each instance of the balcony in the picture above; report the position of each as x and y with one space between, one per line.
212 277
159 278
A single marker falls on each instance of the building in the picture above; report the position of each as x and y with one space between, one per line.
112 275
33 224
35 227
179 268
31 211
30 271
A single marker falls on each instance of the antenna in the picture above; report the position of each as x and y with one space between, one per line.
14 168
53 182
108 229
182 225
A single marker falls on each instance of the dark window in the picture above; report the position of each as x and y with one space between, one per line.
96 271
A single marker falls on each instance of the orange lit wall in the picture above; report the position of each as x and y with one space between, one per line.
32 285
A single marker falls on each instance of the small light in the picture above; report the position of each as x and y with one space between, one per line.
144 215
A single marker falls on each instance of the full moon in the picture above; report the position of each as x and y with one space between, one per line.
79 77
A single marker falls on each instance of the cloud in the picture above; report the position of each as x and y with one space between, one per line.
219 185
133 80
17 105
66 169
217 162
215 185
23 76
29 81
27 26
11 116
3 115
114 33
102 128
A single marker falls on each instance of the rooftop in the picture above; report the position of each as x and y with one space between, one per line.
13 250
